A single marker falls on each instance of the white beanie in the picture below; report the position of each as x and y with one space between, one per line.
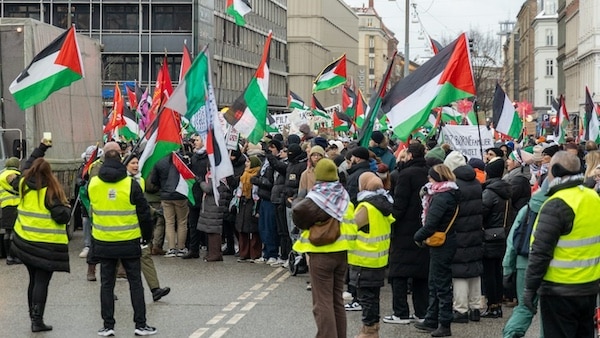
454 160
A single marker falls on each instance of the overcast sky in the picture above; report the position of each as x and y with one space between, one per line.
442 18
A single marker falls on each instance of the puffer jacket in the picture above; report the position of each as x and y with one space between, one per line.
385 155
354 173
521 189
406 258
211 214
467 262
264 182
496 192
279 166
295 168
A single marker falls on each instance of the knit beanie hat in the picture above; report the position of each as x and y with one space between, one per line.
255 162
361 152
477 163
454 160
369 181
12 162
496 151
276 143
317 150
320 141
326 171
436 152
537 153
294 150
495 168
516 156
377 137
293 138
551 150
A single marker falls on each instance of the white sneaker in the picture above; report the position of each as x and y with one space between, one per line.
354 306
396 320
261 260
278 263
286 265
145 331
271 260
415 319
106 332
171 253
347 295
84 252
182 252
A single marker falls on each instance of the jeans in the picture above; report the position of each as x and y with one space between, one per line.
467 294
176 220
267 229
327 273
282 230
107 290
39 279
87 231
420 292
440 284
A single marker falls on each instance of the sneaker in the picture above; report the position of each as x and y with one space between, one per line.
159 293
84 252
347 296
354 306
106 332
286 265
244 260
145 331
308 286
391 319
271 260
414 319
278 263
261 260
182 252
171 253
425 327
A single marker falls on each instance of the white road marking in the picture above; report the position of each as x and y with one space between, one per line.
272 287
256 287
284 277
198 333
220 332
271 275
245 295
216 319
231 306
261 296
236 318
248 306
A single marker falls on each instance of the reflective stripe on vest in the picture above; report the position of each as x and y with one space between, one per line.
114 218
576 257
34 222
371 249
344 243
8 197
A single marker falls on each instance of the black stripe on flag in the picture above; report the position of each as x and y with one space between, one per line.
52 48
498 104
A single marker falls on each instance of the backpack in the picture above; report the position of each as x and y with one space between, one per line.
522 234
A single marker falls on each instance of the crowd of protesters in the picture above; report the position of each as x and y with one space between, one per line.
386 203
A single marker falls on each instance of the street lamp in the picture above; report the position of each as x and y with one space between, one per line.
406 37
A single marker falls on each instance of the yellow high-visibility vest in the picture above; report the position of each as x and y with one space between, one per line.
371 249
113 216
343 243
8 197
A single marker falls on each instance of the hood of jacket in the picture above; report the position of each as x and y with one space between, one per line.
366 165
465 173
112 171
518 171
499 186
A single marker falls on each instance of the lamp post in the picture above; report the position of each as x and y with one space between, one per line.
406 37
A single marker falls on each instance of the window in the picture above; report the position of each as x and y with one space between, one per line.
371 44
23 11
549 67
120 67
120 18
371 62
549 37
549 96
173 62
172 18
80 16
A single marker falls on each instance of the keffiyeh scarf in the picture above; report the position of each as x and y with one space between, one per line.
431 189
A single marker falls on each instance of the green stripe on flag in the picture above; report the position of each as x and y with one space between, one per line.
39 91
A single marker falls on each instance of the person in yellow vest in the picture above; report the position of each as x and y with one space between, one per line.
40 235
563 264
328 262
120 218
367 262
9 199
440 198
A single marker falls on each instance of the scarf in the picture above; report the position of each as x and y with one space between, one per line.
331 197
362 195
245 181
431 189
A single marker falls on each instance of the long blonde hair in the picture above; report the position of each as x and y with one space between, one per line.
592 160
445 173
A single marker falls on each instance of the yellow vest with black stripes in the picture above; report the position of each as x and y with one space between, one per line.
8 197
113 216
371 249
576 257
34 222
344 243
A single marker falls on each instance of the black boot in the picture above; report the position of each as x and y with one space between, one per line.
442 331
37 318
474 315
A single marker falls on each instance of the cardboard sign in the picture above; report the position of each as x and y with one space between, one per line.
466 139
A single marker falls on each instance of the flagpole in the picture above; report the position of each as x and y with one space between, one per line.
478 130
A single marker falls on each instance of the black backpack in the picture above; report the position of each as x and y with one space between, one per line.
522 234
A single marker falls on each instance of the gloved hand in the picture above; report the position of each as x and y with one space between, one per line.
508 281
528 297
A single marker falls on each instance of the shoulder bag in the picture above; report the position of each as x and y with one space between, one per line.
439 237
323 233
496 234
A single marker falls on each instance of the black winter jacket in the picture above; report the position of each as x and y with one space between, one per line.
211 214
439 215
293 172
166 177
520 188
264 182
467 262
199 166
496 192
354 173
406 258
555 219
114 171
280 167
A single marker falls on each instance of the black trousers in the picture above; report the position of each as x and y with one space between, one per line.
368 297
420 296
564 316
39 279
492 280
440 284
107 290
285 242
196 237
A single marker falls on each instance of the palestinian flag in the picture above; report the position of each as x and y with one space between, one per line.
591 123
445 78
435 45
348 101
132 97
332 76
131 130
186 178
317 108
472 118
296 102
195 97
161 141
341 121
451 116
505 117
238 9
562 122
361 109
248 114
271 124
56 66
186 62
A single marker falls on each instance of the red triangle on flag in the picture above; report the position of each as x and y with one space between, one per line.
340 69
69 55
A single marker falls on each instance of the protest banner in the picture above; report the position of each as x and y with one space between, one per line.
466 139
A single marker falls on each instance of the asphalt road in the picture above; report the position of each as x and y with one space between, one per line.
219 299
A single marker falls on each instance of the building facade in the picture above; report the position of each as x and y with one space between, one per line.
138 35
525 20
318 33
545 27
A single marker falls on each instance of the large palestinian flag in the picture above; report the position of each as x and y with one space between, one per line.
505 117
332 76
591 123
445 78
56 66
238 10
248 114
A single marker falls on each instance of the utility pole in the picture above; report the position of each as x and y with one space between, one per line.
406 37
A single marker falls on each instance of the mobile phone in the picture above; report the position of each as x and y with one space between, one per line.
48 135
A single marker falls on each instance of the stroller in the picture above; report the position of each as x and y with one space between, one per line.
297 263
